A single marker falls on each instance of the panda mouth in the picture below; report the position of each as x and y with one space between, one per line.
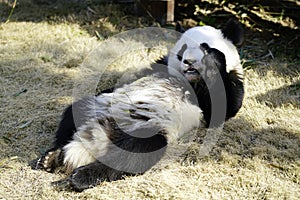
191 74
191 70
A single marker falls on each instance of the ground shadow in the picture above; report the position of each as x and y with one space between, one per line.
272 26
265 39
100 18
266 143
284 96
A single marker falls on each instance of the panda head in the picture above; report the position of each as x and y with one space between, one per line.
201 47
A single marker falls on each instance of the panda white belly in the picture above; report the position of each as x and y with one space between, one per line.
148 102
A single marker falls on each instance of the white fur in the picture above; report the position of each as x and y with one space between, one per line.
214 38
166 107
159 99
86 145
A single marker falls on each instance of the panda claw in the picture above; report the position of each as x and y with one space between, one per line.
50 160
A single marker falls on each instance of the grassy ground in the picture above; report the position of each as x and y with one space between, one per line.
256 157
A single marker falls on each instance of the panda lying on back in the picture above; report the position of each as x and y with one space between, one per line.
126 131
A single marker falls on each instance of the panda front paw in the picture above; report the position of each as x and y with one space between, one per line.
52 159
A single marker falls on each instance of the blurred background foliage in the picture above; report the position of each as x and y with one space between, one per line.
272 26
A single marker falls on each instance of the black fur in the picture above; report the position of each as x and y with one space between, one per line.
234 93
53 158
96 172
141 141
135 162
231 100
234 32
214 103
88 176
66 126
181 51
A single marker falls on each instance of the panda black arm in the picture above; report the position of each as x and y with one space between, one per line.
53 157
235 94
232 83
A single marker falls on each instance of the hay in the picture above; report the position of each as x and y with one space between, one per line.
256 157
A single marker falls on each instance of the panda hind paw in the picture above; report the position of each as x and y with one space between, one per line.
50 160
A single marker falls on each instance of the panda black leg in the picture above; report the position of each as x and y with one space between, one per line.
126 154
73 117
66 128
53 158
88 176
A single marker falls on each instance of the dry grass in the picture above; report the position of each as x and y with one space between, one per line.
257 155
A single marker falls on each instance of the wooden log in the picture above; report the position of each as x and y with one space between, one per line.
161 10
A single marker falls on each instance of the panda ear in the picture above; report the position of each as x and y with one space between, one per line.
233 31
204 47
179 28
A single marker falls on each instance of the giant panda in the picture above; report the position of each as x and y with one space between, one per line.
125 130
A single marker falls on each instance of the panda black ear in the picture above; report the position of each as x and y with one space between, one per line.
233 31
179 28
204 47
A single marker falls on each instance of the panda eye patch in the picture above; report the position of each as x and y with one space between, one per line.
181 51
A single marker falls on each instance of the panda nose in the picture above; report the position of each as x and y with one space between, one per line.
189 62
